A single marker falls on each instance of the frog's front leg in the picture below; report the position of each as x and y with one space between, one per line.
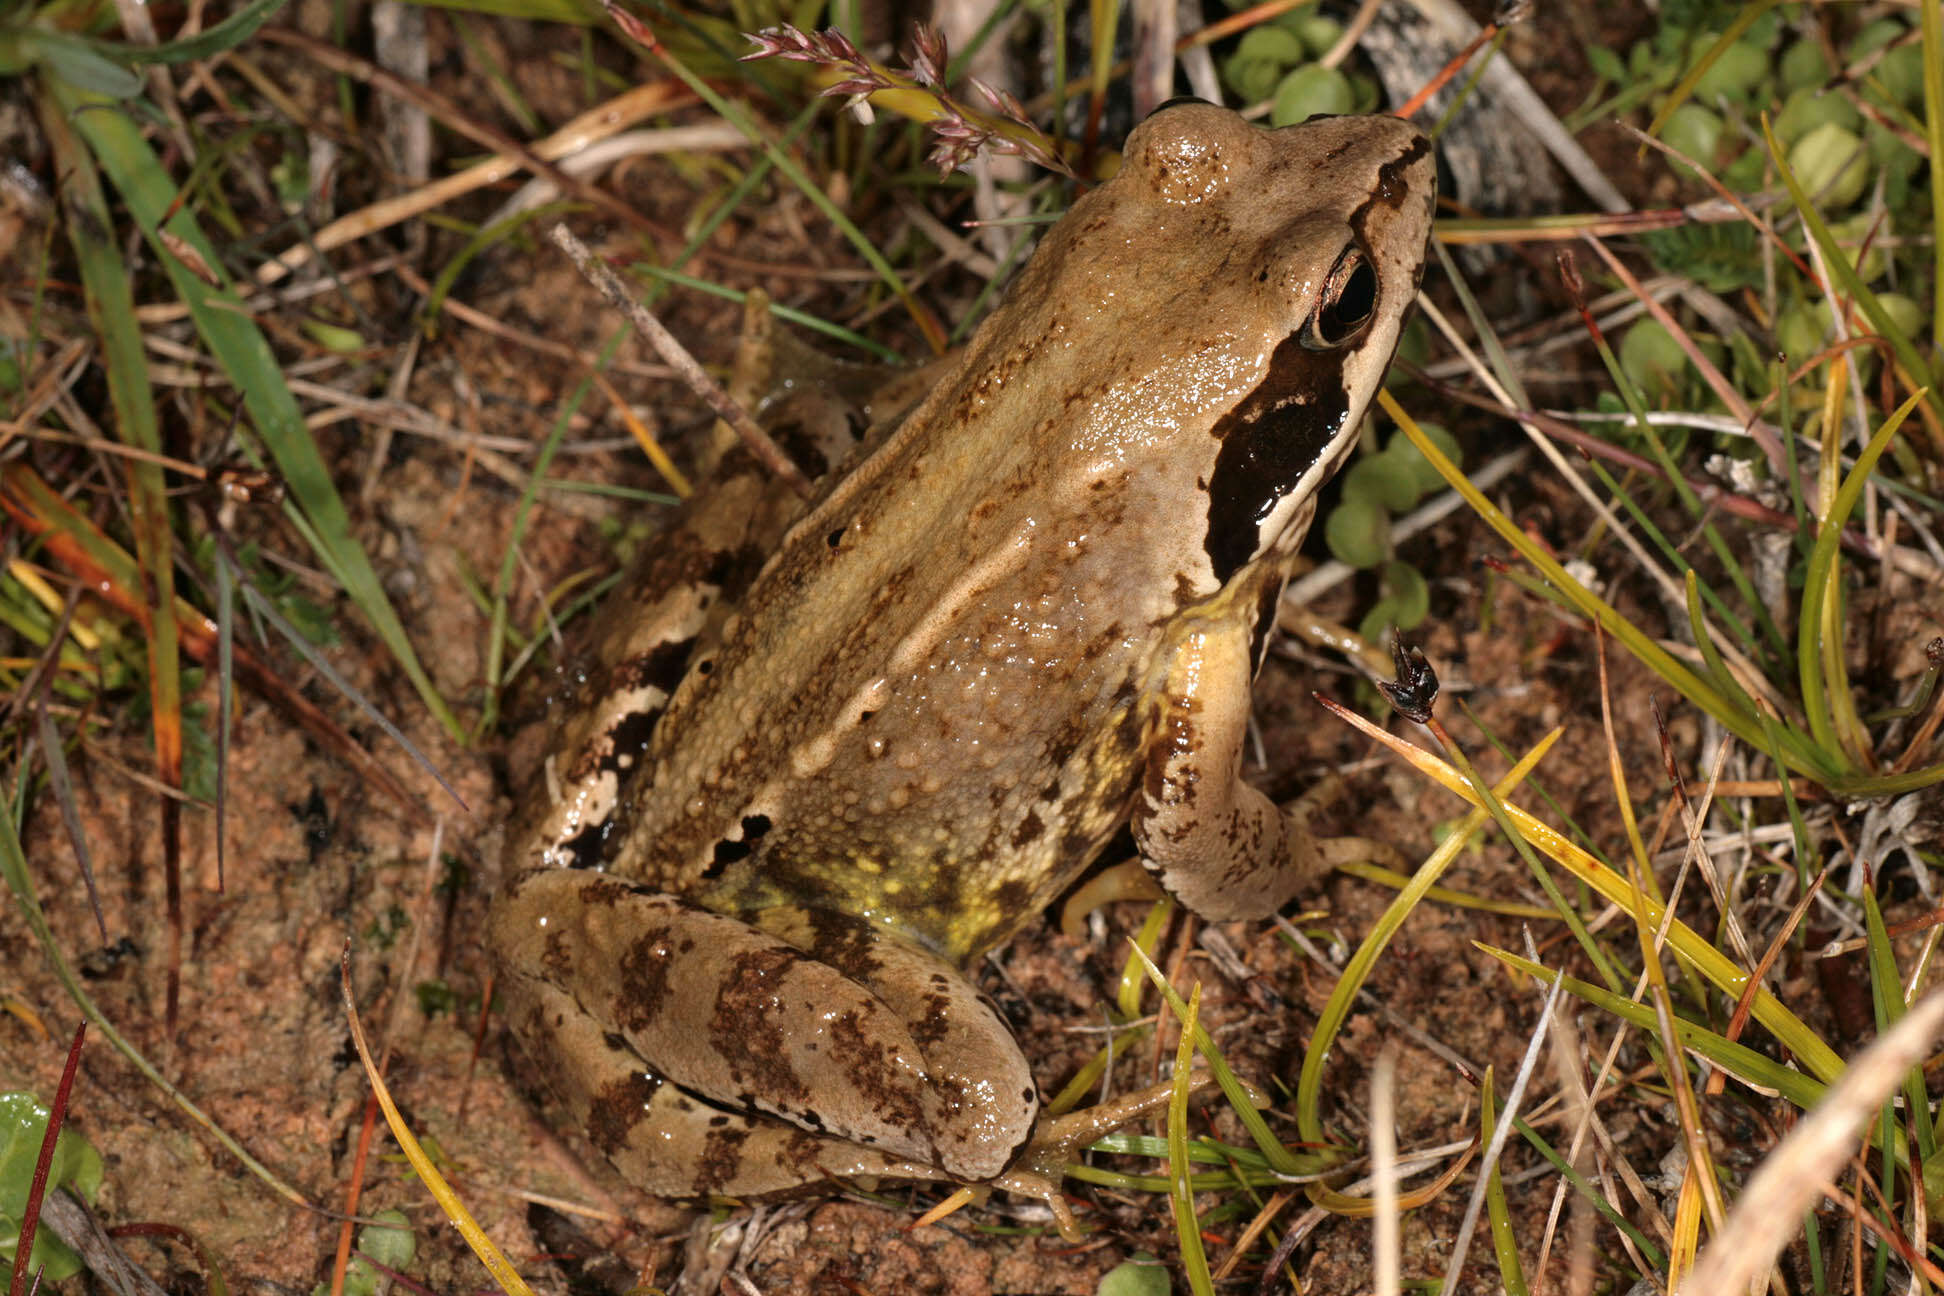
1218 845
688 1029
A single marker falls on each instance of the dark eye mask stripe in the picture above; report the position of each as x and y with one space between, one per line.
1283 428
1391 189
1269 440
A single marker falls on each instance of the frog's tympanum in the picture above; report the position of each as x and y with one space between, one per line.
822 764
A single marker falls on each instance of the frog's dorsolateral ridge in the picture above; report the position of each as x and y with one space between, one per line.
817 771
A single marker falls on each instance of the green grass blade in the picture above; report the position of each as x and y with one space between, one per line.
803 320
1820 680
1591 1194
1677 561
63 56
1724 678
106 280
1279 1158
1181 1194
496 630
225 35
1720 970
1676 480
1887 998
1839 265
1798 826
1356 970
1933 28
1887 1004
1801 757
734 114
1738 1060
244 355
1505 1240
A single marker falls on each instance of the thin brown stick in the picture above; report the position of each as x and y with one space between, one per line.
598 273
30 1216
451 115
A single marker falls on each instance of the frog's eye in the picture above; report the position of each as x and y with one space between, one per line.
1349 298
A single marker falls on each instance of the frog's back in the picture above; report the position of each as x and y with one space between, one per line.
928 712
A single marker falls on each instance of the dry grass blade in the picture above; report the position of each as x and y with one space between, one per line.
1383 1165
1769 1211
677 355
111 1266
453 116
1718 383
98 565
583 132
1506 1123
1504 80
492 1257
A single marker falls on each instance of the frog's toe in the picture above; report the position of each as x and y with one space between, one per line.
1058 1141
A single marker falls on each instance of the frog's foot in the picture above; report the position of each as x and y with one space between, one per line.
679 1036
1329 853
1058 1141
1127 880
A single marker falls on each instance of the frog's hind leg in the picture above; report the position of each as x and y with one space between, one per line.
671 1015
658 1136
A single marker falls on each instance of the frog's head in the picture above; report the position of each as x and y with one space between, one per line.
1326 226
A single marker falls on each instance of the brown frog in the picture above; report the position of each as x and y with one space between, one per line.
817 775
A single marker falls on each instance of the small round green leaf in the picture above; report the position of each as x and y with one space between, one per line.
1903 311
1803 66
1803 329
1318 33
1252 79
1358 532
1424 478
1271 44
1832 165
1652 360
1385 480
1695 131
1808 108
1141 1276
1308 91
390 1242
1409 595
1738 70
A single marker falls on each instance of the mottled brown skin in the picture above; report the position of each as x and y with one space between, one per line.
1027 617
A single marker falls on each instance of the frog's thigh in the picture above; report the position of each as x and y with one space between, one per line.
861 1037
659 1138
1218 845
